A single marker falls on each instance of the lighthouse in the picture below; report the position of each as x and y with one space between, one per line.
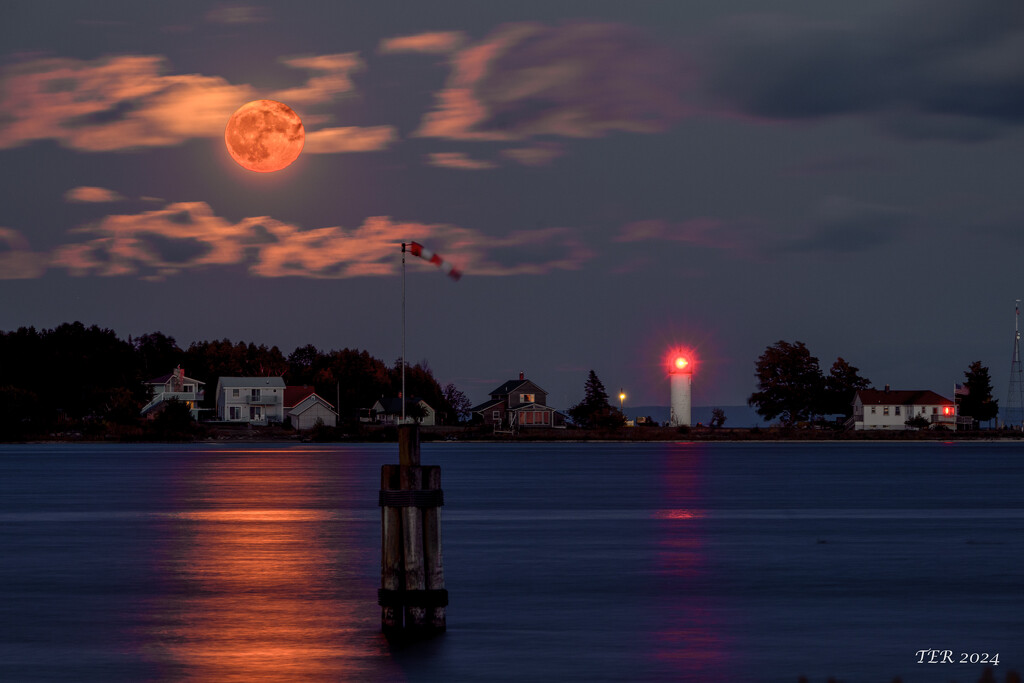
680 375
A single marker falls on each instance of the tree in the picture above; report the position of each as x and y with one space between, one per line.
717 418
458 402
841 385
789 383
978 402
594 411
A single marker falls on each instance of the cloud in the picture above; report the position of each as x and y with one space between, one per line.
112 103
88 194
188 235
944 69
349 139
434 43
843 225
17 260
237 14
458 160
333 76
703 231
537 155
835 225
576 80
128 102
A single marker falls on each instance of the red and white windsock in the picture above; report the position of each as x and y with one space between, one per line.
418 249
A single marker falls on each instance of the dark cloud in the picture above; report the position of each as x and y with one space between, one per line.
951 69
581 79
173 251
841 225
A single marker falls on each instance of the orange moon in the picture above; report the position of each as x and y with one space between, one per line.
264 136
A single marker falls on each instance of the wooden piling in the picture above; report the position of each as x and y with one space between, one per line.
391 560
434 567
412 596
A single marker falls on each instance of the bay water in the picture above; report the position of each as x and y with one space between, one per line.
564 562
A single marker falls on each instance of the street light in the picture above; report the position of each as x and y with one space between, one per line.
622 397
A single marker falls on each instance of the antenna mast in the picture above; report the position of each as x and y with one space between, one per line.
1015 398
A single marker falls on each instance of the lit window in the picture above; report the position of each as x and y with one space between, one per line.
885 410
527 398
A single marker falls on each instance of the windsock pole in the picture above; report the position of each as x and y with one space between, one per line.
402 397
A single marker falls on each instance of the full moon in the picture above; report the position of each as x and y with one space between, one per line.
264 136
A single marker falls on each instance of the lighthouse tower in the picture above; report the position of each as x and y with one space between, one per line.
680 376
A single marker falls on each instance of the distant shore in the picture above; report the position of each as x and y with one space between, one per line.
387 434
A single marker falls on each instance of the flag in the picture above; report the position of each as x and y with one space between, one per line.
418 249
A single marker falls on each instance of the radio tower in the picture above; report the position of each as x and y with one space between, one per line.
1015 399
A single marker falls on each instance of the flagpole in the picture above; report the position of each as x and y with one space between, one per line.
403 334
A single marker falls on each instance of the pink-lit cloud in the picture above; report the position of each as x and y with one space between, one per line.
436 43
537 155
580 79
128 102
189 235
91 195
112 103
332 75
349 139
226 13
17 260
458 160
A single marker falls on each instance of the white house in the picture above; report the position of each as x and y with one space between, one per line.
174 386
304 406
888 409
256 400
389 411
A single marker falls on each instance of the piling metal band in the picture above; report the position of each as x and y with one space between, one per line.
430 498
437 597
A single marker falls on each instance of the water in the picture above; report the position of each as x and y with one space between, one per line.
565 562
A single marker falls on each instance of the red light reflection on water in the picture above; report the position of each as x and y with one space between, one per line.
263 581
692 639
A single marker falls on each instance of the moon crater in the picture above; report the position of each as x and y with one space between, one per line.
264 136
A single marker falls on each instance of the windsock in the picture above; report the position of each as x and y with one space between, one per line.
418 249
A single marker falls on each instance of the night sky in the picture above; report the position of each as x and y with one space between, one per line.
613 178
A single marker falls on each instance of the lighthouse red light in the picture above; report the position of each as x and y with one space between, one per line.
681 363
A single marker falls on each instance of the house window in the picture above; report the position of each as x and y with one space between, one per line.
255 394
885 410
234 393
527 398
234 413
496 416
189 388
872 410
544 417
255 413
935 411
897 410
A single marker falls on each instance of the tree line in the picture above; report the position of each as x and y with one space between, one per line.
792 387
78 374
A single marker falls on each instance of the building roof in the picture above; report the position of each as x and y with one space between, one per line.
513 384
252 382
917 397
532 406
393 405
293 396
308 402
164 379
487 405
